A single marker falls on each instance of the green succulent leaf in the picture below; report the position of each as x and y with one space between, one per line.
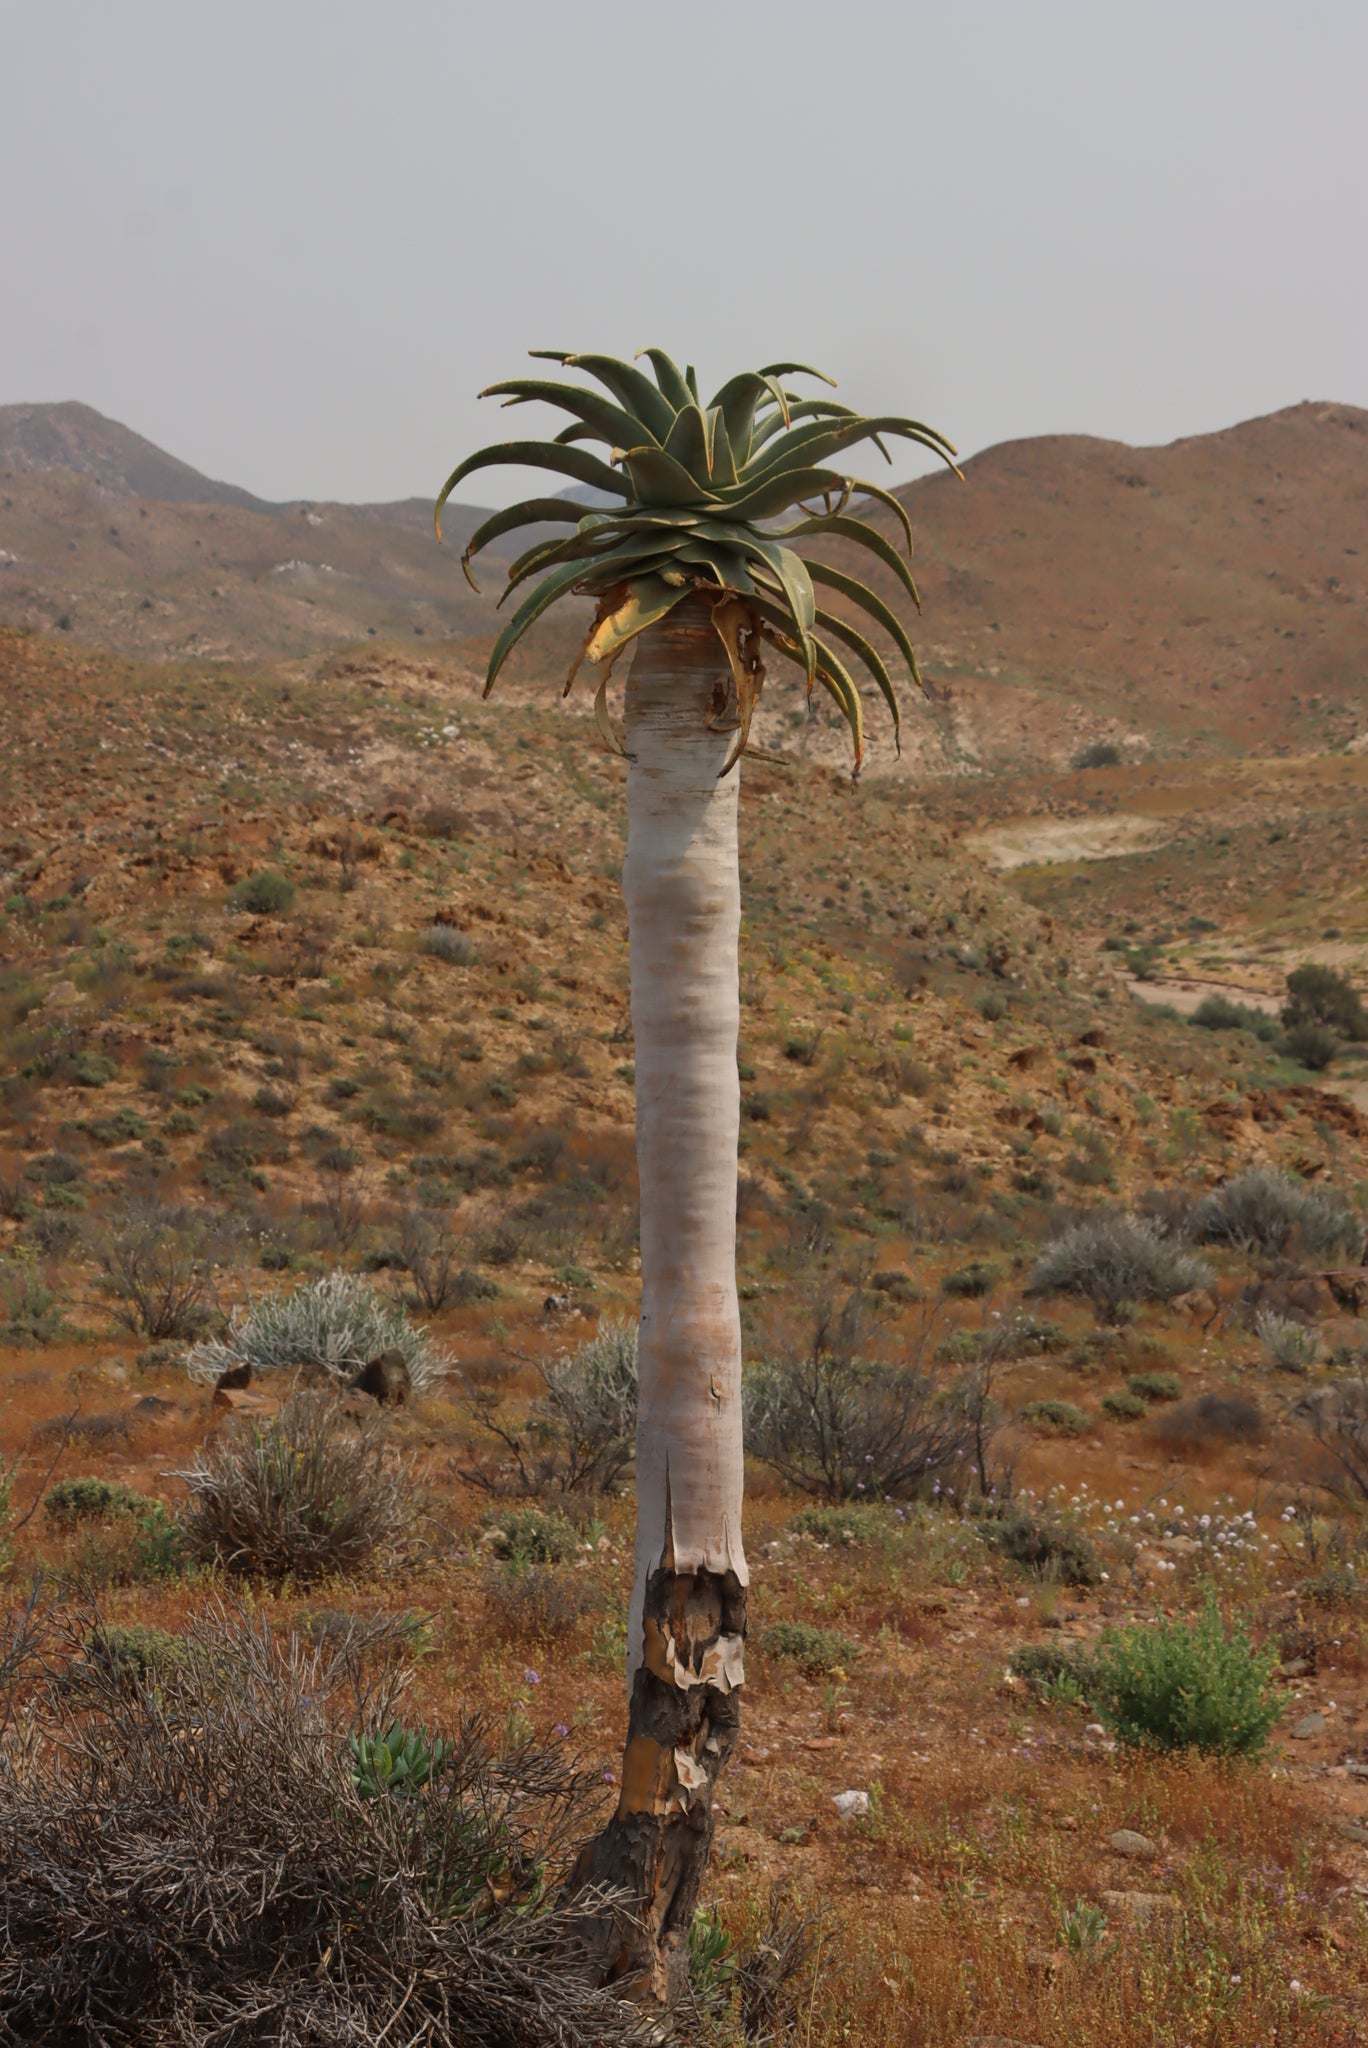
698 490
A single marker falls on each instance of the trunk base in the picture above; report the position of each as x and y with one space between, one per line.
682 1728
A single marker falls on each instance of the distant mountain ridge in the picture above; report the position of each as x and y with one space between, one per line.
1209 595
75 437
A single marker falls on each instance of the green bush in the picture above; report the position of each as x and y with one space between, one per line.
815 1650
530 1536
1311 1045
1156 1386
972 1281
1043 1545
134 1652
1180 1684
1219 1013
852 1524
1320 995
1044 1666
1125 1406
1056 1418
92 1500
265 894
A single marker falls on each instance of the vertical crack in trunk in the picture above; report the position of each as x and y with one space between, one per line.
687 1624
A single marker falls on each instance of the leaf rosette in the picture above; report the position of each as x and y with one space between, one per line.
700 493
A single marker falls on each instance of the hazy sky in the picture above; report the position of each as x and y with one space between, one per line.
290 240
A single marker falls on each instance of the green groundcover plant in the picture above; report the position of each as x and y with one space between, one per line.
1186 1684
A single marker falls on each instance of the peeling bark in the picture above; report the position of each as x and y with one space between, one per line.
687 1623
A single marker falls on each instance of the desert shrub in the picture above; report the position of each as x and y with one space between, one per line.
1048 1667
852 1523
297 1497
216 1858
1289 1344
1124 1406
431 1252
1320 995
442 942
579 1435
1055 1418
158 1265
1208 1422
971 1282
30 1312
837 1423
91 1500
535 1602
1115 1259
338 1322
1339 1423
265 894
528 1536
1099 754
1267 1212
1219 1013
1186 1684
1310 1044
1042 1544
1156 1386
812 1649
132 1652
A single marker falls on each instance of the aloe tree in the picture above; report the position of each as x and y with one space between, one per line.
687 561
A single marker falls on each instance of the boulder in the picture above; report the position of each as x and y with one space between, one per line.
1152 1913
234 1377
1129 1842
1308 1728
245 1401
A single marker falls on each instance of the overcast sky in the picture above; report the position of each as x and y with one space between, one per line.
289 240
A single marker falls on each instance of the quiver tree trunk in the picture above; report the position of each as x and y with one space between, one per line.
688 1613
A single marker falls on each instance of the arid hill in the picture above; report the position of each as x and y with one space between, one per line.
1206 597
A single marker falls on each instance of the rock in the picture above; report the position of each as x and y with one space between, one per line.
1180 1546
386 1379
158 1356
1294 1667
1354 1769
1350 1288
1144 1912
113 1371
62 995
1353 1831
152 1408
1308 1728
851 1805
234 1377
1130 1843
244 1401
557 1305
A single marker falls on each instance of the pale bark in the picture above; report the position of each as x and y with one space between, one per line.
687 1620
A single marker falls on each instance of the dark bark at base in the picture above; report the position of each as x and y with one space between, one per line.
682 1729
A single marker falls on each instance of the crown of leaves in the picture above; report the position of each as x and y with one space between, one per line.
700 488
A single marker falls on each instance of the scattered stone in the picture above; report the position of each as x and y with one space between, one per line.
1197 1303
1349 1287
1295 1667
152 1408
386 1379
1309 1726
1131 1843
1144 1912
234 1377
244 1401
851 1805
1353 1831
113 1371
62 995
1354 1769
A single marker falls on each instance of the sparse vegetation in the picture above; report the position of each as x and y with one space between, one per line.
298 1497
1265 1212
1186 1684
1116 1259
338 1323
